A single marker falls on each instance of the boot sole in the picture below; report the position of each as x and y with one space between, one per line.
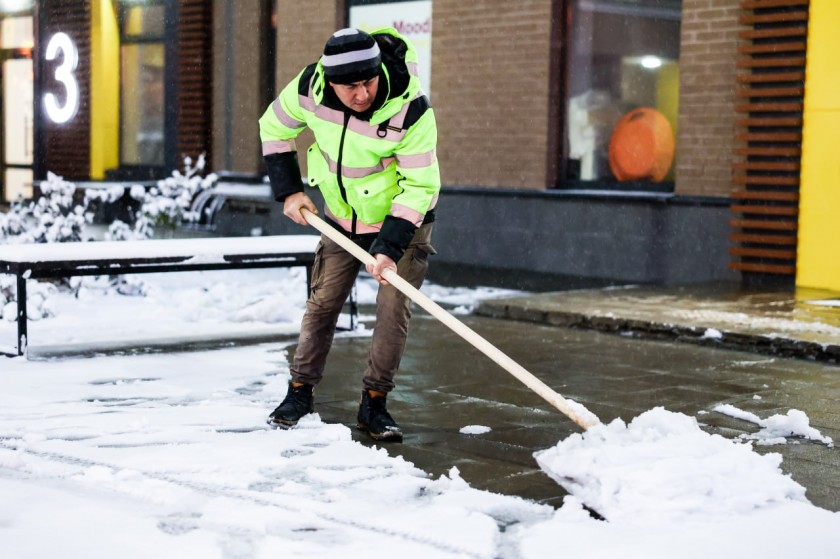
284 425
388 436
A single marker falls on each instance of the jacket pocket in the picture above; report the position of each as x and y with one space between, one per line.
372 196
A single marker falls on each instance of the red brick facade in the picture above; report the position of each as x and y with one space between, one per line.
490 68
708 55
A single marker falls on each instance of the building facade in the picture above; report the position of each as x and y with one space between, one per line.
581 142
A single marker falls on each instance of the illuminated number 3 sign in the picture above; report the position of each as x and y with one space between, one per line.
64 75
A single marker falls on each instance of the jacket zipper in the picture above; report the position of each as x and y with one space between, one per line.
338 177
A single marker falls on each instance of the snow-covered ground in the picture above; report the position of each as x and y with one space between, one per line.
166 455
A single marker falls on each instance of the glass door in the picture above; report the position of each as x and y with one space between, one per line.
17 114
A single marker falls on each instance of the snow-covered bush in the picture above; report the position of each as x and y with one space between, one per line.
52 218
37 305
169 204
57 217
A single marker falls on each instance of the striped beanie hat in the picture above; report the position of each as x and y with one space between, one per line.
350 56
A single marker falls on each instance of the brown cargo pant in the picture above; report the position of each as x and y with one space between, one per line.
333 275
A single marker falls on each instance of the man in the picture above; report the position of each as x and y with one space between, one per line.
374 162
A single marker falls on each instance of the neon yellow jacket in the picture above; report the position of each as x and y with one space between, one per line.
375 170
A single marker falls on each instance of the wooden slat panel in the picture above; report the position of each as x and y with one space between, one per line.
770 181
770 92
776 17
791 137
768 107
764 224
758 4
765 166
776 152
774 33
763 268
769 48
771 121
773 53
765 195
781 240
777 254
765 210
781 62
771 77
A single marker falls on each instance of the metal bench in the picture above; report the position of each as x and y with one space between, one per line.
65 260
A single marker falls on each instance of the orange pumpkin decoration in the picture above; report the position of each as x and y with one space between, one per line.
642 146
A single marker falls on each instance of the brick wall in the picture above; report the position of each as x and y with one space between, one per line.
302 30
708 54
490 83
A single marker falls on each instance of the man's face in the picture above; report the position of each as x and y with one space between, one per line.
358 96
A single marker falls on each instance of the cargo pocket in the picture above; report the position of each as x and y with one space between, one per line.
415 262
317 269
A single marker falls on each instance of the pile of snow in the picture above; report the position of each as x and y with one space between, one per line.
663 464
777 428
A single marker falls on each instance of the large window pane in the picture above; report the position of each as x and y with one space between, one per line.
623 88
142 104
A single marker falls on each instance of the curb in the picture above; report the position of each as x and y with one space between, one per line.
723 338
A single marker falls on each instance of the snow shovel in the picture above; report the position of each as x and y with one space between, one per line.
573 410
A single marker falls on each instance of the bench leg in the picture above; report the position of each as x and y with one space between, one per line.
21 314
308 280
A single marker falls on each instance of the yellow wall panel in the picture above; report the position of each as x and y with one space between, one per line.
105 89
818 258
818 252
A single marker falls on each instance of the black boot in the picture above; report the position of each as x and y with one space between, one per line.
298 402
375 419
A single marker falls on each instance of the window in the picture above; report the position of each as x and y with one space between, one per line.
142 84
16 100
622 82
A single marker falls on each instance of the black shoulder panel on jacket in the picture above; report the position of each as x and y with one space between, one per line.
416 109
305 78
393 57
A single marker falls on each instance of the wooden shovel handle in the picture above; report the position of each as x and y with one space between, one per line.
573 410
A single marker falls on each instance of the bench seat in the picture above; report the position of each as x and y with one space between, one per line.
64 260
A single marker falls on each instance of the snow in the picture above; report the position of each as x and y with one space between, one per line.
203 250
777 428
167 455
475 430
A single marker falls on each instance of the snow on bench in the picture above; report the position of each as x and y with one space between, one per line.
64 260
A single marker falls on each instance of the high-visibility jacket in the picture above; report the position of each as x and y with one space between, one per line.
377 171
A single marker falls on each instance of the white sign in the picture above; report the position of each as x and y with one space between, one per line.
413 20
64 75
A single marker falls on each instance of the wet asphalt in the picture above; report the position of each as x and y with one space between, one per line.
445 384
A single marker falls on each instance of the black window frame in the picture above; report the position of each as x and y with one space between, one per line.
169 40
562 29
